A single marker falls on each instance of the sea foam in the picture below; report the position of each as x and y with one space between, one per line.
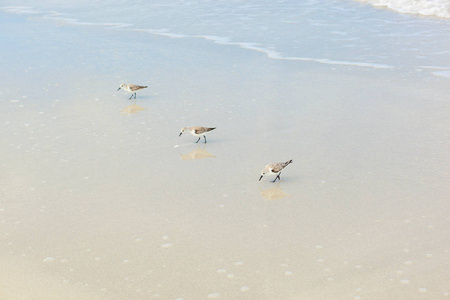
434 8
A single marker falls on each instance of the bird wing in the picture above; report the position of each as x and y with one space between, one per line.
134 87
276 167
200 130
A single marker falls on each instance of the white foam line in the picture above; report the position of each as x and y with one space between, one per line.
20 10
256 47
56 17
435 67
445 74
216 39
442 71
276 55
162 32
350 63
53 15
252 46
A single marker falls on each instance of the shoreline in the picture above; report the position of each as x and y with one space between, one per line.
59 19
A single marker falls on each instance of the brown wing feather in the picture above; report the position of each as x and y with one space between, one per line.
200 130
137 87
277 168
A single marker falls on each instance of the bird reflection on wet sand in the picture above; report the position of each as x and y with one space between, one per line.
131 109
274 193
198 153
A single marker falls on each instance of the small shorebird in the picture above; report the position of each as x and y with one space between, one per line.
131 88
274 169
197 131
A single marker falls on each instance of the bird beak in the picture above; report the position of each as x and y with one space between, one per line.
119 88
260 178
180 134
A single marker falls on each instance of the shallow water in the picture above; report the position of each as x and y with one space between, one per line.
323 32
102 200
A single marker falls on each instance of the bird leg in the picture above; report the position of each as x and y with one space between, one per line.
198 140
278 176
205 138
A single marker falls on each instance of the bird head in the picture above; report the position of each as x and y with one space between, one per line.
182 130
263 172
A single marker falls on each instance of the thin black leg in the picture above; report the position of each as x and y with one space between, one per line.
134 95
278 176
205 138
198 140
131 96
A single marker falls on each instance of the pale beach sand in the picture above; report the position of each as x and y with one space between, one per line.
100 198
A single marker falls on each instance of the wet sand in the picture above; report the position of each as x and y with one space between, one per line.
102 200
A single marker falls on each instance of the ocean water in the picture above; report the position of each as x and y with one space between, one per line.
346 33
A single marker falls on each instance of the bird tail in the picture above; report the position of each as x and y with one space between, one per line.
286 163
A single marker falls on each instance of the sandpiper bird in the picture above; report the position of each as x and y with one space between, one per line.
274 169
131 88
197 131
